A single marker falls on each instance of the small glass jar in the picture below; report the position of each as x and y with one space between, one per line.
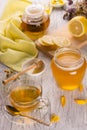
35 21
68 67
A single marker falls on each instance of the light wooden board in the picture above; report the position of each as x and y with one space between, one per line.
75 42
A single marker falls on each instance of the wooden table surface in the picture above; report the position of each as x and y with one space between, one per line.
72 116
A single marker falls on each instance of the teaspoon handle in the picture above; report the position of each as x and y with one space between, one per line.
35 119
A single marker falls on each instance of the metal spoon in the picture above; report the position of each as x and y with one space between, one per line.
14 112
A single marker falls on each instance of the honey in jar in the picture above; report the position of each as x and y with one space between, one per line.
68 67
35 21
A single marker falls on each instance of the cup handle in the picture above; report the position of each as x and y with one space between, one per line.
44 103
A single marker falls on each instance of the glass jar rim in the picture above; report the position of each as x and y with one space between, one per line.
75 64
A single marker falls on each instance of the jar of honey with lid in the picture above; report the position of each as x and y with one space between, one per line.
35 21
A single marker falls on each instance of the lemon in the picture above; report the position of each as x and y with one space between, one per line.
47 40
46 43
42 43
58 41
78 26
57 1
61 41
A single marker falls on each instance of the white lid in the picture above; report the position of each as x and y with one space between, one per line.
34 11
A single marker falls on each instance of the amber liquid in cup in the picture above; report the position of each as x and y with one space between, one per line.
25 98
68 67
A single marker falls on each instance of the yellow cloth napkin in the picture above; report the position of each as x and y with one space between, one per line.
15 46
13 6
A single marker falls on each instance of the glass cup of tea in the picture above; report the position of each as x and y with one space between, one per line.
68 68
26 95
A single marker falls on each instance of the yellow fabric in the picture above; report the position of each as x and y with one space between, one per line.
13 6
15 46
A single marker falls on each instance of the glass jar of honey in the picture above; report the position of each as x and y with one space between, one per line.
35 21
68 67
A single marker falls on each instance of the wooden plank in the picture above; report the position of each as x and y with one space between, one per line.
64 32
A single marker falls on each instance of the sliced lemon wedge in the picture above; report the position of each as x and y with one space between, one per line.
42 43
46 40
54 41
61 41
57 3
78 26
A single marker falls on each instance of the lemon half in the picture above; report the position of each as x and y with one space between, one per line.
78 26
